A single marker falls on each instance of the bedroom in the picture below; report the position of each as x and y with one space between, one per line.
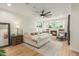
35 30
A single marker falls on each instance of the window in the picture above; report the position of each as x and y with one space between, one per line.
56 25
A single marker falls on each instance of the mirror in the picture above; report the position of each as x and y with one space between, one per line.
4 34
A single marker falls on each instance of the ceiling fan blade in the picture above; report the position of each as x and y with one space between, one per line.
42 11
47 12
48 15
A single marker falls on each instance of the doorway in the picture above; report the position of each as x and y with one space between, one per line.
4 34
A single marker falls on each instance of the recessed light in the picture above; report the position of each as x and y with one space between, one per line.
9 4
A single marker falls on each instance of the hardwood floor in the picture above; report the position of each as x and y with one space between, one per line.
21 50
74 53
65 50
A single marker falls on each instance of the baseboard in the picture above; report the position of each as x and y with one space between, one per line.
73 49
4 46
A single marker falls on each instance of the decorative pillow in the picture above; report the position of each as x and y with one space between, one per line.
35 33
27 36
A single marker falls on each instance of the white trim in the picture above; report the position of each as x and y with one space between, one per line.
76 50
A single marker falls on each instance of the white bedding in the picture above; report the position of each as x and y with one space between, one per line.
38 40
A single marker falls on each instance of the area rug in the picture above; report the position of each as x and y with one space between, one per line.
50 49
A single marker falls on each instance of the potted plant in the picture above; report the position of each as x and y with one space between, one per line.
2 53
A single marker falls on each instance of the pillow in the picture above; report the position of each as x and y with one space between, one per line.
35 33
27 36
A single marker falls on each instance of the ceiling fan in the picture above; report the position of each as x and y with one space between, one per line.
45 14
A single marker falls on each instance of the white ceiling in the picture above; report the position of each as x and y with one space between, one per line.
21 9
57 9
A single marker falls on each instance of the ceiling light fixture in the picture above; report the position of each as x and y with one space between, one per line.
9 4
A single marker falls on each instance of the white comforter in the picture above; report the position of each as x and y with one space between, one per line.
39 40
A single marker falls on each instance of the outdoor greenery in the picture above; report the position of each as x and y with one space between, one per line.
55 25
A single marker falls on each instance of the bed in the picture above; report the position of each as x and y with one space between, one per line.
37 41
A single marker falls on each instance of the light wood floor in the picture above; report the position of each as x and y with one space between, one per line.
21 50
74 53
65 50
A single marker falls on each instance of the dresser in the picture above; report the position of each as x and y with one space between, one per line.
16 40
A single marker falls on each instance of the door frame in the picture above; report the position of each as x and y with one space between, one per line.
9 39
68 30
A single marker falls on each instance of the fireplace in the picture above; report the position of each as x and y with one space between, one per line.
54 33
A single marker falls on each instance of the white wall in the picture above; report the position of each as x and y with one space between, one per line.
74 42
27 16
13 19
29 23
